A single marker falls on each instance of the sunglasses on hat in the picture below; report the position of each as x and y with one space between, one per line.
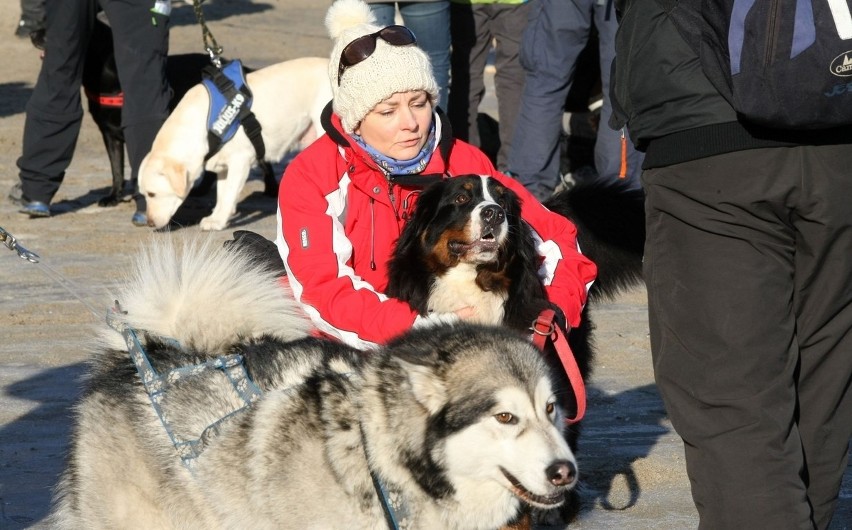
364 46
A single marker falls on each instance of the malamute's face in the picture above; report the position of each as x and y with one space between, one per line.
518 445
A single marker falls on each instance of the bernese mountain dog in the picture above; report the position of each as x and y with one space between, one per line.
466 245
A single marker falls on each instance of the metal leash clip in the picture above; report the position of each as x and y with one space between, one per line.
12 244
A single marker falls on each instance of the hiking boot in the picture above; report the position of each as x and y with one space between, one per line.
34 208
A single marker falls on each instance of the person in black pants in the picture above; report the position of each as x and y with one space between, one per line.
54 112
749 275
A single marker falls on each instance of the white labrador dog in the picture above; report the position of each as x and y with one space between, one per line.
288 99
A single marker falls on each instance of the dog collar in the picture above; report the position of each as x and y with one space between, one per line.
114 100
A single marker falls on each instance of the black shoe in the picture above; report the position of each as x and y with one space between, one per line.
35 208
139 219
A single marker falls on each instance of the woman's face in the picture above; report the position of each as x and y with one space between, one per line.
398 127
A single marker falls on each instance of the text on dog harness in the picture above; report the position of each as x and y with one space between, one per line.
230 108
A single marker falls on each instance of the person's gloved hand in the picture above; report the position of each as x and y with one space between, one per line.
261 250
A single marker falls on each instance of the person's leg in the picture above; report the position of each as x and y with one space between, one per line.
385 13
556 33
54 112
720 263
508 24
430 22
471 43
141 40
608 142
823 305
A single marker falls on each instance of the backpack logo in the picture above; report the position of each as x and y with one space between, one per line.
841 66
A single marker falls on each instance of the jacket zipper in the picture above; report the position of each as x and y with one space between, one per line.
393 200
372 233
771 32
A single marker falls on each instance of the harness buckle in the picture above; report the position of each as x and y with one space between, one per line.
215 55
543 326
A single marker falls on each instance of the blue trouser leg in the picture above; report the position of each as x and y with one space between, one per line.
608 141
556 34
430 22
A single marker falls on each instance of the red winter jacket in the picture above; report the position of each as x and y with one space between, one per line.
339 219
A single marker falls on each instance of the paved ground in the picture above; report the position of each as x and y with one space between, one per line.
630 459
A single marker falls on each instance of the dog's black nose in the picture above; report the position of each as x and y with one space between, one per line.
561 473
492 215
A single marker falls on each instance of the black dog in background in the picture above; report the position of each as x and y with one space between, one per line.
104 94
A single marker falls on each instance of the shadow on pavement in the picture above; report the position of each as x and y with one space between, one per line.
36 442
616 440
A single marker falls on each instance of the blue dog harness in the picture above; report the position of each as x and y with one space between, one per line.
230 107
156 384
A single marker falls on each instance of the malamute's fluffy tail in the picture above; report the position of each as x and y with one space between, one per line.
205 296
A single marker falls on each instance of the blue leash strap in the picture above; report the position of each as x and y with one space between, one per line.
395 510
382 492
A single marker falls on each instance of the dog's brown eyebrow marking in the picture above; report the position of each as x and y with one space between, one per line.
497 186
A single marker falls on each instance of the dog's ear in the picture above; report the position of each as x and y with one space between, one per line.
426 386
426 208
178 177
408 258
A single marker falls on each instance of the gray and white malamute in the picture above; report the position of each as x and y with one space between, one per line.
458 425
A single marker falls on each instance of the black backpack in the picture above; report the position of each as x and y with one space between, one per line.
779 63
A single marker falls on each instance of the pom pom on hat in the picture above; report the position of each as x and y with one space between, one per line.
390 69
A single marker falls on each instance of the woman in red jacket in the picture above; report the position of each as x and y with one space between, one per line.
345 199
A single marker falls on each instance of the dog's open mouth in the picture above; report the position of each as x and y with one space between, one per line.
542 501
486 243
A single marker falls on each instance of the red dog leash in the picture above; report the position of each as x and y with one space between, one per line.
543 328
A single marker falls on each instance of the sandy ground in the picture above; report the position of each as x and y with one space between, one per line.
630 458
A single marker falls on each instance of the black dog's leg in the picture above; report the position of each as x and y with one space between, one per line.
115 151
270 183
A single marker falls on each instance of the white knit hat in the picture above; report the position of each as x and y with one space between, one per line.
390 69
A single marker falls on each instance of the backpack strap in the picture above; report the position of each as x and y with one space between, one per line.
230 107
